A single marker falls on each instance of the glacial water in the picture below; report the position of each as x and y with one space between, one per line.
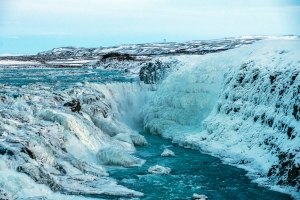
192 172
62 77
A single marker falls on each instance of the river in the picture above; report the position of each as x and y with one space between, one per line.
192 172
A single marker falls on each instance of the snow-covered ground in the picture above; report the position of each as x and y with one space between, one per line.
15 62
241 105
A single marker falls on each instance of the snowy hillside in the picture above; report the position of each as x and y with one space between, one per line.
193 47
241 105
139 53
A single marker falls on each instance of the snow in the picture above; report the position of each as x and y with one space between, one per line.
240 105
70 62
8 54
15 62
151 49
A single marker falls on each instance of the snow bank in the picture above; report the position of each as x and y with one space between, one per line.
241 105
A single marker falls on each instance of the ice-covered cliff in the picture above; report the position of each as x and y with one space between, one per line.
242 105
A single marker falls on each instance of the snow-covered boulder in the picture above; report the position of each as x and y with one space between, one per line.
167 153
113 155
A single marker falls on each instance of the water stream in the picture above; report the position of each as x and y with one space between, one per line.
192 172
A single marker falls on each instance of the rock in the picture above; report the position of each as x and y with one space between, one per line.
167 153
154 72
4 151
157 169
199 196
74 104
116 56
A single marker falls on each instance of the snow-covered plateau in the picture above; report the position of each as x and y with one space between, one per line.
61 129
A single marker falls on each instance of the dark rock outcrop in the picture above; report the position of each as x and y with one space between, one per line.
155 71
74 104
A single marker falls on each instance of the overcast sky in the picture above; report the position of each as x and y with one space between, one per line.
31 26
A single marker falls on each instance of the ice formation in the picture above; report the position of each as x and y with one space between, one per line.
117 156
43 137
241 105
167 153
157 169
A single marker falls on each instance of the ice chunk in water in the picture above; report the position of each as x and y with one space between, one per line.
199 196
113 155
157 169
168 153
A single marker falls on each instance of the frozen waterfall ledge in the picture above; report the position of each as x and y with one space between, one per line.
241 105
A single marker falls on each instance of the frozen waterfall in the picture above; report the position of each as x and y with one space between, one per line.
241 105
64 147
